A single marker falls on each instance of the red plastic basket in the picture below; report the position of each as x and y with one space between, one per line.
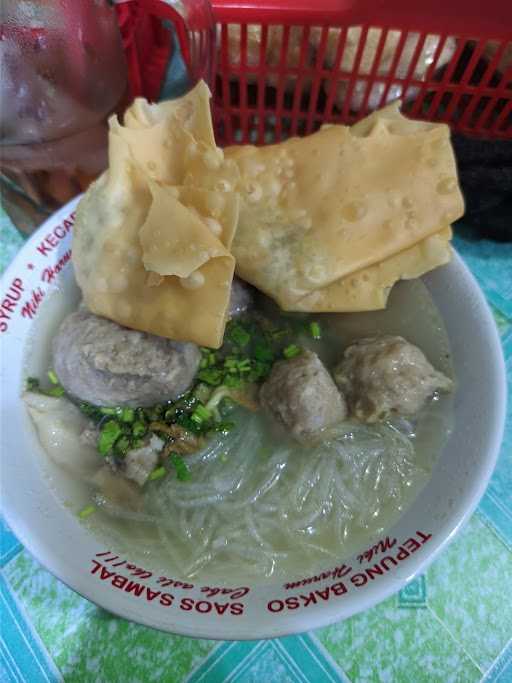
282 65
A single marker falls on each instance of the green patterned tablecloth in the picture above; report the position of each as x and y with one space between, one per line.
452 624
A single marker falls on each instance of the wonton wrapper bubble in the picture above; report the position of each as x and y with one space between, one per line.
316 209
219 211
217 175
108 254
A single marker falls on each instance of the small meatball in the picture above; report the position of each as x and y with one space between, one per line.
387 376
241 298
140 462
301 395
98 361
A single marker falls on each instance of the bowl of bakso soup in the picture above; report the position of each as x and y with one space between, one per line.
250 391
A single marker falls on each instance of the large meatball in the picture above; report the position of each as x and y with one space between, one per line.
100 362
385 376
301 395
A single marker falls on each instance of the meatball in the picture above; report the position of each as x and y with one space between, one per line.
385 376
302 396
138 463
100 362
241 298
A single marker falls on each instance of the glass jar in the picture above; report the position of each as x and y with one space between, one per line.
64 72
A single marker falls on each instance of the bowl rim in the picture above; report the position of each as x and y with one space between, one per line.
445 534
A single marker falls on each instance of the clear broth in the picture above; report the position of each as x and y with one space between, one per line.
410 313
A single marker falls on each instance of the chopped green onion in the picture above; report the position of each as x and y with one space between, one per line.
232 381
138 429
224 427
122 445
86 511
211 376
138 443
208 356
239 335
109 434
32 384
55 391
157 473
258 371
53 377
315 330
263 353
90 410
201 414
184 421
279 335
187 401
128 415
292 351
109 411
182 471
244 365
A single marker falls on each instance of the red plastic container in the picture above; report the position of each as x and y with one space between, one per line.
285 67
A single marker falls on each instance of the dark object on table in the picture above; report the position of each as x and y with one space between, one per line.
485 172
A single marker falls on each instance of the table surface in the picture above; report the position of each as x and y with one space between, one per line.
454 623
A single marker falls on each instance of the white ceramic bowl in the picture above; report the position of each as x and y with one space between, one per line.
56 538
